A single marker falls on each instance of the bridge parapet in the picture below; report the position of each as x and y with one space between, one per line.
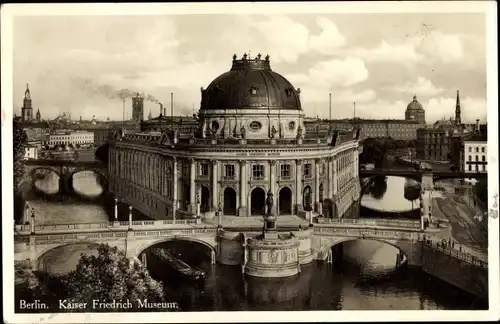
373 222
65 238
135 225
374 233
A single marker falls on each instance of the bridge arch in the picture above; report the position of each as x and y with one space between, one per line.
103 178
89 246
331 243
142 248
33 178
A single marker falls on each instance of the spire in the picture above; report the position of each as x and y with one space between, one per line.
458 110
414 97
27 92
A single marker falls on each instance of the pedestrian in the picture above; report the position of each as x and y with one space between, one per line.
460 248
453 244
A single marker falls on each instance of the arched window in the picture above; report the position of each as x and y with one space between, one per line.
482 150
484 158
477 158
470 157
477 149
470 149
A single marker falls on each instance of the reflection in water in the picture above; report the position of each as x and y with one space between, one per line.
86 183
366 281
46 181
391 194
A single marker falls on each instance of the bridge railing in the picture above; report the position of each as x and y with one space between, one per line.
83 226
373 222
367 233
53 238
457 253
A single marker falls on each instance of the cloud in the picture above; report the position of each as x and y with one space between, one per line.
446 48
421 87
329 39
385 52
280 36
333 73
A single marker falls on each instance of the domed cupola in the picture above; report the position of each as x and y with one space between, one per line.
415 111
415 105
250 84
251 101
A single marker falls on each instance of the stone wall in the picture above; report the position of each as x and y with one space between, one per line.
456 272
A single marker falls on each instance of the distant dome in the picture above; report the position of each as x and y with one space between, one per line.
415 105
250 84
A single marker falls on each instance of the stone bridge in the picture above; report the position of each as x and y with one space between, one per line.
65 170
417 175
33 242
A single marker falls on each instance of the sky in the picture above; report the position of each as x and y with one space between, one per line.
77 64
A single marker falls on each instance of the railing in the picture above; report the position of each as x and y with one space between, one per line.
84 226
457 253
43 239
367 233
373 222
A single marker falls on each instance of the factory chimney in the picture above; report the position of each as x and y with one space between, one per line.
172 105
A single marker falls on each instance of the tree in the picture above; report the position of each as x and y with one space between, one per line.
20 139
111 276
373 152
102 153
378 187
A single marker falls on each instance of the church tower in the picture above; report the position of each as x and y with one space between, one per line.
27 110
458 119
137 108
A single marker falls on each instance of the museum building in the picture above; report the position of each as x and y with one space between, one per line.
250 141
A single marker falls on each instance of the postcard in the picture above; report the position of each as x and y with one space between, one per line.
250 162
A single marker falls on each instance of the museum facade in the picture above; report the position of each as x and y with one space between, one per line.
251 141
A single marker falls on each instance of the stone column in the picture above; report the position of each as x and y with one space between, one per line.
214 184
116 209
192 187
330 177
272 180
298 186
174 189
130 217
316 184
242 209
335 175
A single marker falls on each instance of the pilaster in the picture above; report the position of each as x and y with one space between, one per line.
298 188
192 186
242 209
215 179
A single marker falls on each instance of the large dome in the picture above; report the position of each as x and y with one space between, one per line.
250 84
415 105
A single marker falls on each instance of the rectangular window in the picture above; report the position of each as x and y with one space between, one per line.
204 169
285 171
307 170
470 167
229 171
258 171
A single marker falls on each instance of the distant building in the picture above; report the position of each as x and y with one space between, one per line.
397 129
31 151
432 144
476 152
415 111
73 138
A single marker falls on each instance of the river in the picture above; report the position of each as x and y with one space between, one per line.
365 279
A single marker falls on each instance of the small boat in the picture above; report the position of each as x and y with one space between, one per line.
178 266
